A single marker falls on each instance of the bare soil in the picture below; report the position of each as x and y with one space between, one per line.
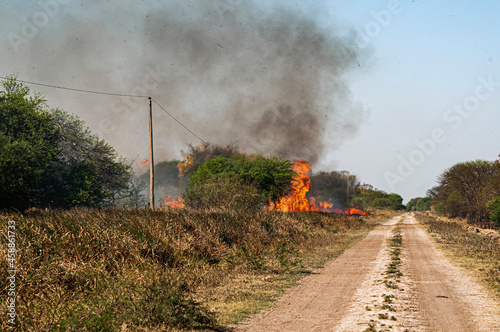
354 293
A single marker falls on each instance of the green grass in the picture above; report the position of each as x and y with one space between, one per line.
174 269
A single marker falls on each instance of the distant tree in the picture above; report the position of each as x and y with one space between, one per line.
167 180
166 174
333 185
419 204
378 199
424 204
197 155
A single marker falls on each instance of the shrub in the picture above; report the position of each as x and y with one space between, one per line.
494 207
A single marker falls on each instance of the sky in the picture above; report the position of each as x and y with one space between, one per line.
393 91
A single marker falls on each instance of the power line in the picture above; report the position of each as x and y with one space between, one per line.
201 139
109 94
79 90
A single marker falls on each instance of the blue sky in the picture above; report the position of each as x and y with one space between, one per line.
415 67
429 58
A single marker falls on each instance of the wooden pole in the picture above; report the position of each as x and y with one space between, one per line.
347 199
151 159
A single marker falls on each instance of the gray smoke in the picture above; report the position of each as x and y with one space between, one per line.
266 77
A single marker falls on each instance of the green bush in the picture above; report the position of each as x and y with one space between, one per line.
494 207
271 176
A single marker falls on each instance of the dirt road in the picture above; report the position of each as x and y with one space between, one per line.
354 293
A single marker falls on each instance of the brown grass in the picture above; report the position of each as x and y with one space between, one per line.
175 269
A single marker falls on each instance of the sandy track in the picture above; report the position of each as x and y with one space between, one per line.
348 293
322 299
448 299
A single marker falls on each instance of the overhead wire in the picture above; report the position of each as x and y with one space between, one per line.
79 90
110 94
201 139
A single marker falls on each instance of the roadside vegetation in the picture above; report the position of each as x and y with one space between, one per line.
479 253
88 269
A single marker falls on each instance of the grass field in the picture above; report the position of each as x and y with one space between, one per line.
172 269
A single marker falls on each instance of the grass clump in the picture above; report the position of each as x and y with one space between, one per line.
393 271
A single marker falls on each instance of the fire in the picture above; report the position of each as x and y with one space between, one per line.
144 162
351 212
173 203
297 200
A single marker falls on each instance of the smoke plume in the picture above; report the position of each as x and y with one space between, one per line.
263 76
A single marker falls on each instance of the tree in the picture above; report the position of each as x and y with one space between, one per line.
197 155
465 188
378 199
28 145
167 180
419 204
87 170
494 208
50 159
333 185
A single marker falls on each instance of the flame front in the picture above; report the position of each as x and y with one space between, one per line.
351 212
168 202
297 200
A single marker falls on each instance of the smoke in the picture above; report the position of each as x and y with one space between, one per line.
266 77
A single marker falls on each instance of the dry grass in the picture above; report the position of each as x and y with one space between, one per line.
174 269
478 253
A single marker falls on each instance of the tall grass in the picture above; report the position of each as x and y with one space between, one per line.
108 270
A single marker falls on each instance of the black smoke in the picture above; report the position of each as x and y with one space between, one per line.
262 75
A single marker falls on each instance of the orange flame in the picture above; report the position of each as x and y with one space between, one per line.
173 203
297 200
351 212
144 162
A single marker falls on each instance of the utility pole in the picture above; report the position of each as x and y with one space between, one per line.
151 159
363 194
347 198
